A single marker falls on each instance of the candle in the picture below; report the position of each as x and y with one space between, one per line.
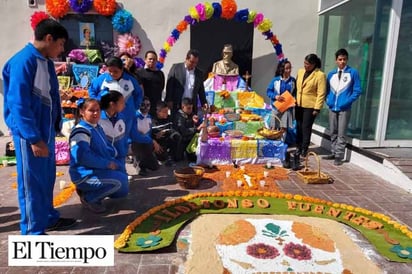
268 164
262 183
265 174
239 183
242 167
227 174
248 180
5 163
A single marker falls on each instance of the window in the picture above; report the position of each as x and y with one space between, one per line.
361 27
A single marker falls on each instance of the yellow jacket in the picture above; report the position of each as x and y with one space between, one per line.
311 93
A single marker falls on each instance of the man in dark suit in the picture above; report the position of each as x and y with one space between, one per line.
185 80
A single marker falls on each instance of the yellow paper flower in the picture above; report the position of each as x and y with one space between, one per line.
266 25
193 12
209 10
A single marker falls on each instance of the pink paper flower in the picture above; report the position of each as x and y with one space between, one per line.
129 43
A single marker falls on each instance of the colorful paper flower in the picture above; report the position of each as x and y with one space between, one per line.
265 25
105 7
251 16
200 8
150 241
258 19
209 10
81 6
193 13
175 34
129 43
78 55
242 15
122 21
402 252
297 251
229 8
217 10
57 8
139 62
182 26
37 17
262 251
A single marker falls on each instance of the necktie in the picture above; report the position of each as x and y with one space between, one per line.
339 74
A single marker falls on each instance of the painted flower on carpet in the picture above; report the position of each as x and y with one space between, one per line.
313 236
402 252
297 251
149 241
262 251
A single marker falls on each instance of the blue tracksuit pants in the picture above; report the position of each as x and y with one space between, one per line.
35 183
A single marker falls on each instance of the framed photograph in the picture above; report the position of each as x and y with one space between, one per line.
64 82
87 34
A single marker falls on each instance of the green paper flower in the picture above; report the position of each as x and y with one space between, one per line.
405 253
150 241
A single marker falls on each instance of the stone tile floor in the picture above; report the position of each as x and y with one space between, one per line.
352 185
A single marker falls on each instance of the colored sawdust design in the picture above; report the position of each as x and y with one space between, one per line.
263 253
168 218
250 176
266 255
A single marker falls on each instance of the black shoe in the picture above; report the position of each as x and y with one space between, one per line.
304 152
143 172
286 162
296 162
62 224
170 162
338 162
329 157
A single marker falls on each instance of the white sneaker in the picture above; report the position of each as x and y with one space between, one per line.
129 178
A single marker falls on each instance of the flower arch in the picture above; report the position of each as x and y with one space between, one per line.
227 9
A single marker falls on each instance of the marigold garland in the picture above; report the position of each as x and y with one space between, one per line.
37 17
105 7
57 8
64 195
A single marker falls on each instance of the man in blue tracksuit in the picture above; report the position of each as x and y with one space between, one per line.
343 88
32 112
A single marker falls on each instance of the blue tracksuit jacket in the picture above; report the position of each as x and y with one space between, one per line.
340 94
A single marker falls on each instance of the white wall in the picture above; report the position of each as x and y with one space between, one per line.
295 22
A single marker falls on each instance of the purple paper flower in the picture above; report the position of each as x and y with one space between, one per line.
81 6
163 53
78 55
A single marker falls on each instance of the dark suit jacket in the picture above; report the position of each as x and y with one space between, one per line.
175 87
